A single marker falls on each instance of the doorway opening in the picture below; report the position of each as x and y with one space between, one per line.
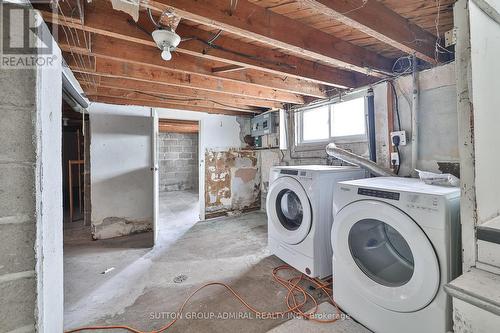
179 178
75 172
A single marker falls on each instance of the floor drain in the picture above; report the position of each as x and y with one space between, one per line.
180 278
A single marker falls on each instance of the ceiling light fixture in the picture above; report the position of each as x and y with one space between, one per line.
167 41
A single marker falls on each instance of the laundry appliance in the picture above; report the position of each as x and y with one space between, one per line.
299 210
396 242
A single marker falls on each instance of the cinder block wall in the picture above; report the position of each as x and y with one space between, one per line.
17 199
178 159
31 253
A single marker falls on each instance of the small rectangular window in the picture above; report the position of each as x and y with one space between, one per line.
341 121
348 118
315 124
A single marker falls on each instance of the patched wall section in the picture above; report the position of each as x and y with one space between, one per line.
232 181
178 159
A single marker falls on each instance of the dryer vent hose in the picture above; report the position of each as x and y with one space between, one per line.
360 161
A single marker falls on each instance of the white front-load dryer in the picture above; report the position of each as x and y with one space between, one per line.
395 244
300 216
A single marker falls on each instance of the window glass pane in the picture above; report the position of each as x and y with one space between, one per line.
315 124
348 118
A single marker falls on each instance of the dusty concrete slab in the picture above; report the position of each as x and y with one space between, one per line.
141 291
326 310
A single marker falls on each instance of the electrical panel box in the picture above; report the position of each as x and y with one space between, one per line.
264 124
265 130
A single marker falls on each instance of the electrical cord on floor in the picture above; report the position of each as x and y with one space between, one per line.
295 300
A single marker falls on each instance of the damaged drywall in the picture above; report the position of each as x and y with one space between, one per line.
232 181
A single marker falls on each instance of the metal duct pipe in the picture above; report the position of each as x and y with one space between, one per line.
360 161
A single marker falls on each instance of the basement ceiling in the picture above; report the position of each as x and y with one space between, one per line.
243 57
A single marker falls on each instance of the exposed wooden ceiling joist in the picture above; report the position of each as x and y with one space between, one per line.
105 21
143 96
149 103
270 52
380 22
178 126
257 23
228 68
113 68
155 88
127 52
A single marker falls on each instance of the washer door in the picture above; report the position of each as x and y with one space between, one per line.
289 209
391 261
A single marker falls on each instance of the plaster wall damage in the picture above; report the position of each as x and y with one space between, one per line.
232 181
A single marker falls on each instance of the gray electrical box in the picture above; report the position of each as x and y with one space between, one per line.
265 124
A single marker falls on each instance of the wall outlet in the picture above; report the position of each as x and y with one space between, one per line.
402 137
394 159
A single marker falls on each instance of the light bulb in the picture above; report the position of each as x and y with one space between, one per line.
166 55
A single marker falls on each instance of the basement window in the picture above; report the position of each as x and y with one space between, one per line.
341 121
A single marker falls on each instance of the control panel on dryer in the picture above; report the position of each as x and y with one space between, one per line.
427 203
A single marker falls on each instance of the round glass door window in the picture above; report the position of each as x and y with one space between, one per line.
381 252
289 209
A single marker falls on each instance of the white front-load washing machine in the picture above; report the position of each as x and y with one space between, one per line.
299 213
395 244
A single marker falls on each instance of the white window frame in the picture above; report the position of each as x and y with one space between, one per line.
298 118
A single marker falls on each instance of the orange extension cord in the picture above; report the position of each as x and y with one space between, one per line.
291 300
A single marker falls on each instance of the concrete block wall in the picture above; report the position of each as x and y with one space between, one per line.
17 199
31 272
178 160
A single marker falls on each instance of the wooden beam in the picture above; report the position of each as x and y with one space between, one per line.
127 52
265 59
138 95
102 20
228 68
260 24
112 68
155 88
178 126
380 22
124 101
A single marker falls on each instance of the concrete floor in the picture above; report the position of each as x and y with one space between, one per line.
141 291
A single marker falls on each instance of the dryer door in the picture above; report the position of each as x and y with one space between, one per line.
391 261
289 209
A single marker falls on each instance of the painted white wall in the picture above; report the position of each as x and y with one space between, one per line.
220 131
49 244
485 52
120 159
471 319
120 150
438 121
